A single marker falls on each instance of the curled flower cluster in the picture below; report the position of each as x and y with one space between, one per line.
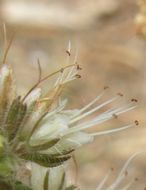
36 128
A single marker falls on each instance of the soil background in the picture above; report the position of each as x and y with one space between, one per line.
111 53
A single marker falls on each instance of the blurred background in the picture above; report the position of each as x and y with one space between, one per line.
111 53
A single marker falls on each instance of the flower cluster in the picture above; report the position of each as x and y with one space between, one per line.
36 128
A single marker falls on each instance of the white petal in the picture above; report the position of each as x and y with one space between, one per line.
38 176
56 178
70 142
54 128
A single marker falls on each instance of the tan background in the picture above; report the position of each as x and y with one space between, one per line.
110 53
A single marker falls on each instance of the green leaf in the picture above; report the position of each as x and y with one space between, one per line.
45 160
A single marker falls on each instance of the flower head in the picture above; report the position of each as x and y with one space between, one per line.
36 127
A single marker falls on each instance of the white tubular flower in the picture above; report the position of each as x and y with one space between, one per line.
50 179
67 126
38 174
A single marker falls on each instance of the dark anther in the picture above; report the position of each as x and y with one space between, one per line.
120 94
136 179
126 173
136 122
134 100
106 87
78 67
78 76
69 54
115 116
61 70
112 169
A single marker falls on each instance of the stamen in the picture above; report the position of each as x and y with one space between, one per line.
120 94
127 186
88 105
44 79
136 122
134 100
69 54
93 110
111 130
102 183
78 76
115 116
99 119
106 87
122 172
68 51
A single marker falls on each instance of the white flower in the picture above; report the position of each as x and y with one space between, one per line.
67 126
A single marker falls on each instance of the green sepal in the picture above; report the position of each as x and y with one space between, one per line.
45 160
63 152
6 90
46 181
14 118
2 141
6 166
